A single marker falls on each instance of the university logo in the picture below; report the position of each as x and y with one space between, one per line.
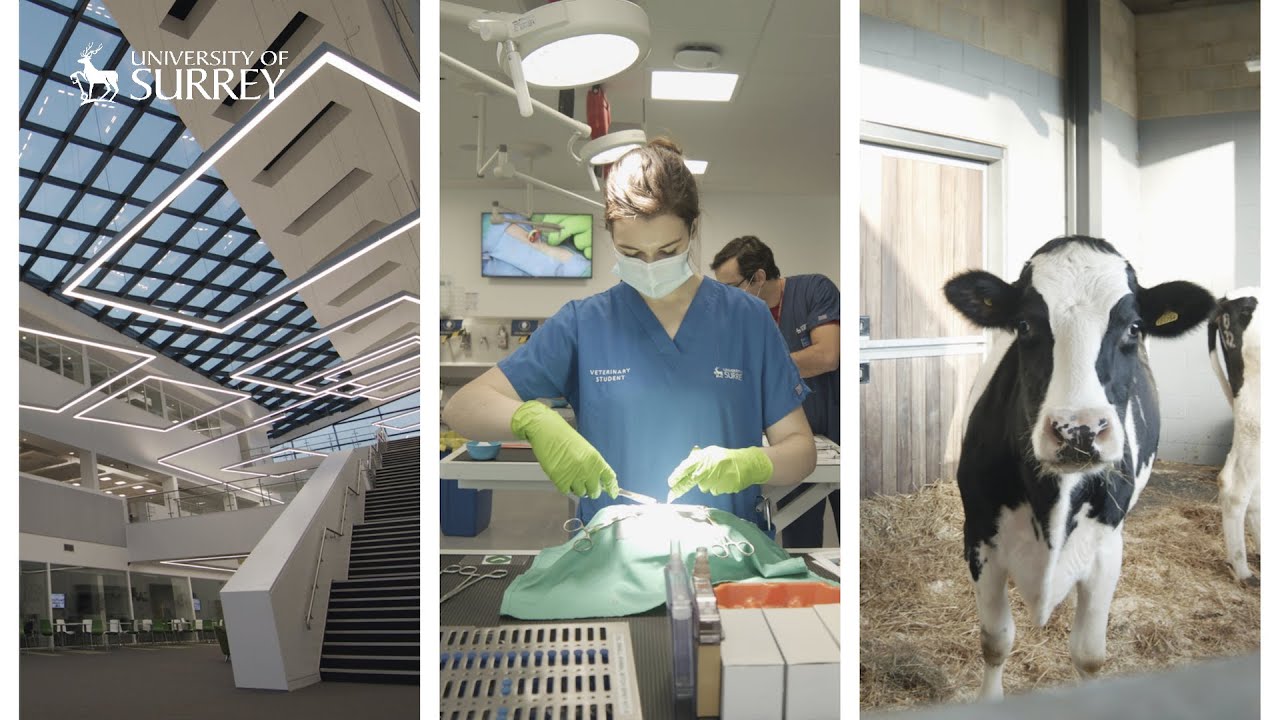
90 76
727 374
184 75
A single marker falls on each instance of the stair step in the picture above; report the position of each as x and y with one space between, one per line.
408 625
384 525
385 528
363 637
350 593
355 601
365 554
383 649
384 677
381 571
386 564
362 613
368 662
355 585
385 545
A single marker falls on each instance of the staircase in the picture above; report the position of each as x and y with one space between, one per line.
372 633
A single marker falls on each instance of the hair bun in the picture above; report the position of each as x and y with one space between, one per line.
665 143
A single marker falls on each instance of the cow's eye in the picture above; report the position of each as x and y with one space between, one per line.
1024 328
1135 329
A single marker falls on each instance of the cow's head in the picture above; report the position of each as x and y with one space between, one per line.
1080 321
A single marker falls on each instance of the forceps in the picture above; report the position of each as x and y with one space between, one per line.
473 576
584 543
725 547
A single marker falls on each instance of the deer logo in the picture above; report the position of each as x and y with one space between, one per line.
91 76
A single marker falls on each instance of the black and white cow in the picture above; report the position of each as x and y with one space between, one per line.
1235 325
1061 434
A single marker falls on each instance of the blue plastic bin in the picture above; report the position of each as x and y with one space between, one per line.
464 512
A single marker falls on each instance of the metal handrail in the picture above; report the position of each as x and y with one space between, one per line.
315 580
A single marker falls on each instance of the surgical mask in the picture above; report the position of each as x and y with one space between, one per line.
656 279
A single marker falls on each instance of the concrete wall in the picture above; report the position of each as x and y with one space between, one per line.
1191 62
223 533
909 74
42 548
58 510
804 233
1200 215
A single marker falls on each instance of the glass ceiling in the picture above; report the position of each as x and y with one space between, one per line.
86 171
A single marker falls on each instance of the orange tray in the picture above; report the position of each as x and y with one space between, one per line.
775 595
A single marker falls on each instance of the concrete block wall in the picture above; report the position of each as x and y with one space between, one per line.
1191 62
1119 56
1029 31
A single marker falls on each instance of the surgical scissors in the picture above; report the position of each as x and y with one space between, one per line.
473 576
585 543
725 547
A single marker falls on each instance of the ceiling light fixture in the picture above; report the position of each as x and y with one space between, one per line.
137 487
697 86
564 44
120 482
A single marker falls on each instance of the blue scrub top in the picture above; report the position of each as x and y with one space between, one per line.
644 401
809 301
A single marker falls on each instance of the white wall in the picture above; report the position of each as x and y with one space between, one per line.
221 533
56 509
1200 222
804 233
42 548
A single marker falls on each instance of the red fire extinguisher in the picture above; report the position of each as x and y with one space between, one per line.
598 119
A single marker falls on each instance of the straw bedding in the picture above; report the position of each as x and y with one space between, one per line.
1176 602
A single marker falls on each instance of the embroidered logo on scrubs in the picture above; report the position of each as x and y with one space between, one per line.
802 328
728 374
821 318
610 374
800 390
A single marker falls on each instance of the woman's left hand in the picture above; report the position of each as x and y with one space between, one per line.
718 470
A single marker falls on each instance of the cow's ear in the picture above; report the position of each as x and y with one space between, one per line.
1171 309
984 298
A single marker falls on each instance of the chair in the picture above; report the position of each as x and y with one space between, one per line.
164 627
221 632
130 629
95 629
63 631
113 628
198 630
46 629
144 626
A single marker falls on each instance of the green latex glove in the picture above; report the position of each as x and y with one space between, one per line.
577 227
565 456
717 470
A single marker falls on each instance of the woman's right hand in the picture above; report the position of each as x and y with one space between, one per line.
565 456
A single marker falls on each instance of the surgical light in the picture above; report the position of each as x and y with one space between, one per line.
562 44
606 149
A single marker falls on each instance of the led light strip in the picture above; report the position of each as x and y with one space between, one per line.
360 386
332 373
193 565
393 380
386 422
243 374
323 56
146 358
286 451
84 414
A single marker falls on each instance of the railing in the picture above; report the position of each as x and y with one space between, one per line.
186 503
328 531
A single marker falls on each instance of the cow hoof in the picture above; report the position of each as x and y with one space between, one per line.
1251 582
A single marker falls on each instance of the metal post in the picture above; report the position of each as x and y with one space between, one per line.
1084 117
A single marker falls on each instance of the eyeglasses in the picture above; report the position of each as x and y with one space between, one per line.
737 284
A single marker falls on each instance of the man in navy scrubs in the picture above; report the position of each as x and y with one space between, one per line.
807 310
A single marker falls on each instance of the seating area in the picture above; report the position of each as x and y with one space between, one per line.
92 633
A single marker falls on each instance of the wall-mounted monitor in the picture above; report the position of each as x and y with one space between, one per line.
59 600
543 245
196 602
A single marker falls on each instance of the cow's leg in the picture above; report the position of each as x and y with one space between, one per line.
996 621
1253 516
1093 607
1234 496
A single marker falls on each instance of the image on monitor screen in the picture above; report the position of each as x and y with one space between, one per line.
547 245
196 602
59 600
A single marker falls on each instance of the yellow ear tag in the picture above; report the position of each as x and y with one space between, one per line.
986 301
1168 317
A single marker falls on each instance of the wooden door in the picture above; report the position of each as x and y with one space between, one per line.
922 222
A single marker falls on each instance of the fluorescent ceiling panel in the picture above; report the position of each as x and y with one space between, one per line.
696 86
